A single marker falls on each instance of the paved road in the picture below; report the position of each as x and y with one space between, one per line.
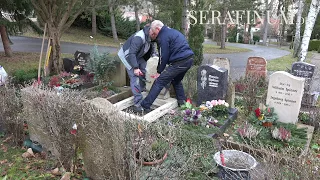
27 44
238 61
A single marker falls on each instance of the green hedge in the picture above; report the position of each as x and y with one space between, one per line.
314 45
319 49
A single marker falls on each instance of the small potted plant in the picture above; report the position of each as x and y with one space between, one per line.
215 108
264 117
154 153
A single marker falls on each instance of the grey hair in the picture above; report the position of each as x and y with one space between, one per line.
156 23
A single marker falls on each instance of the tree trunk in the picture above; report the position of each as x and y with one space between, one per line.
136 14
54 60
223 29
297 38
5 41
265 21
94 18
113 22
184 18
312 15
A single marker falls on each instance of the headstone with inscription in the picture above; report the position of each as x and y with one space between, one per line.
256 66
212 83
221 62
285 94
152 70
81 58
305 70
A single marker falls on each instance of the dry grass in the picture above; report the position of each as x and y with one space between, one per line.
213 49
82 36
23 61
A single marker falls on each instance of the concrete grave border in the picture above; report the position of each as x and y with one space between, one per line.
165 106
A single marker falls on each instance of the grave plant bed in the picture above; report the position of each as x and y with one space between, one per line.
298 138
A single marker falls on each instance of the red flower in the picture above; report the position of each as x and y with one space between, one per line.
73 131
189 100
269 110
258 112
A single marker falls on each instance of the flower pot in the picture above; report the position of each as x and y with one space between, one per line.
237 165
267 124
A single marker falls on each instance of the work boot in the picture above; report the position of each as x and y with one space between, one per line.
181 102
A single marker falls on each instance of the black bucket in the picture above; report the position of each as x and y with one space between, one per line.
237 165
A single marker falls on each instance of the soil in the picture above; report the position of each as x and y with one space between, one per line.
237 163
131 110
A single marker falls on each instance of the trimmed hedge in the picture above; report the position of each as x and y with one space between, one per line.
319 49
314 45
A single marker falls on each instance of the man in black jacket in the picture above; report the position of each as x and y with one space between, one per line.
134 55
175 52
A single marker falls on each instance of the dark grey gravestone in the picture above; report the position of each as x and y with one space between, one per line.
305 70
68 64
212 83
81 58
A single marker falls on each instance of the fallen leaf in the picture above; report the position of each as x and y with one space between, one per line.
3 161
318 156
4 148
66 176
7 139
226 135
55 172
27 167
26 155
30 152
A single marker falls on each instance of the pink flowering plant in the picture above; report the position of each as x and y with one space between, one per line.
215 108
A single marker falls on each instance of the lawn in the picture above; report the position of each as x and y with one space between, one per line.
81 35
213 49
285 62
14 166
23 61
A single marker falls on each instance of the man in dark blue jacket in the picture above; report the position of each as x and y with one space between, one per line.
134 55
175 52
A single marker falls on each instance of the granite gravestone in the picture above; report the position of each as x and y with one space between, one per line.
221 62
81 58
305 70
285 94
256 66
212 83
152 70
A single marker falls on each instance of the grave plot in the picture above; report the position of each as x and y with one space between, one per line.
275 125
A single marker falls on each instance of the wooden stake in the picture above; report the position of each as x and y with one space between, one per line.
46 64
39 67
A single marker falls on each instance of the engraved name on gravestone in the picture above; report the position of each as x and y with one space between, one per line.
81 58
305 70
212 83
256 66
285 94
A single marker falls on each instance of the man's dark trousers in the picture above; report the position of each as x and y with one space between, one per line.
174 73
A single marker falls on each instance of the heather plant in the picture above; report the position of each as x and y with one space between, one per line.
51 116
11 120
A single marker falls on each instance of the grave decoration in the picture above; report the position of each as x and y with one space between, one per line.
277 136
208 118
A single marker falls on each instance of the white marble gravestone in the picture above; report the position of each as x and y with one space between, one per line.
151 68
285 93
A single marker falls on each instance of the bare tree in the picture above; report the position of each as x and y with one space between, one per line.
94 18
59 15
265 20
5 41
113 20
311 19
297 38
136 14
